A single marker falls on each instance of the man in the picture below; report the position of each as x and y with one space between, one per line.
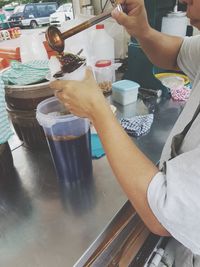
167 199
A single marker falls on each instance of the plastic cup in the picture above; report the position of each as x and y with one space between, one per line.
55 66
69 141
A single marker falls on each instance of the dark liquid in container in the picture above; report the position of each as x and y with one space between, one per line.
31 134
27 128
72 157
6 161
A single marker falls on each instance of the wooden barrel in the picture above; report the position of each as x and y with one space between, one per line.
27 128
22 101
27 97
6 161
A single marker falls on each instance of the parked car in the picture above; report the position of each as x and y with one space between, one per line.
63 13
32 14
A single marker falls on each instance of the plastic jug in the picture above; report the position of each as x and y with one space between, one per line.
32 48
68 138
102 45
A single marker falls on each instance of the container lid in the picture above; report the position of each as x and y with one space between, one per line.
46 113
125 85
177 14
99 26
103 63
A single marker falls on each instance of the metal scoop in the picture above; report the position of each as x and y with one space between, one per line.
56 39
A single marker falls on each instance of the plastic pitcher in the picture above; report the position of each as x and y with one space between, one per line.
68 137
32 48
102 45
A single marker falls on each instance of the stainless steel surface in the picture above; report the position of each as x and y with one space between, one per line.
45 224
166 112
122 233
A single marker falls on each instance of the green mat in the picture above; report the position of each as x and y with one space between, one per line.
24 74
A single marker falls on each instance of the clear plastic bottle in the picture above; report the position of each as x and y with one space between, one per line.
104 75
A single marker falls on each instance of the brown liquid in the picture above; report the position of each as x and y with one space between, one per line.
72 157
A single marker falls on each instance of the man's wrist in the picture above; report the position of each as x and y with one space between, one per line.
145 33
100 110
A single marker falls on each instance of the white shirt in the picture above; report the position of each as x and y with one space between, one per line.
175 197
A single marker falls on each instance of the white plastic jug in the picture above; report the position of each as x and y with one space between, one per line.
102 45
32 48
175 23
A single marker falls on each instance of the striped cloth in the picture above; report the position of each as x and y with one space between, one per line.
28 73
5 129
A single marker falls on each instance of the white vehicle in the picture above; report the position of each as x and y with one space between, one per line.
63 13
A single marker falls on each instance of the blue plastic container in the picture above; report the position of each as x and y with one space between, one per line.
125 92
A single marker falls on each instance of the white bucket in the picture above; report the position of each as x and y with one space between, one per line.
175 24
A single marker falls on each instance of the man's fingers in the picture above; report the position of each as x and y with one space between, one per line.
57 85
61 96
58 93
120 16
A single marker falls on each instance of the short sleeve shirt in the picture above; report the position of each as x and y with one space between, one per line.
174 197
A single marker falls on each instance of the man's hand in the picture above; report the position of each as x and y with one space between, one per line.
80 97
135 19
161 49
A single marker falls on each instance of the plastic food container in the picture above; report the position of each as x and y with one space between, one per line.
125 92
104 75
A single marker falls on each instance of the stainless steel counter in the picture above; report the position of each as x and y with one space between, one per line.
45 224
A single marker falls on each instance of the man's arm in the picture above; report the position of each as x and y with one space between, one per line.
161 49
132 168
